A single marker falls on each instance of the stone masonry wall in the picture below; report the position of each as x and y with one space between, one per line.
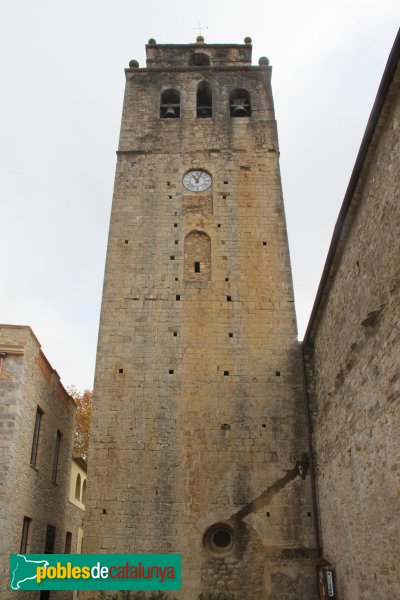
27 381
198 418
353 380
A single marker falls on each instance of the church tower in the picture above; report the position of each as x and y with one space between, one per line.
198 441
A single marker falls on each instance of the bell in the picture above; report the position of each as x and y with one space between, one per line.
204 111
170 113
239 110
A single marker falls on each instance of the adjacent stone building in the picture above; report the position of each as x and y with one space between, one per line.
36 437
198 437
352 358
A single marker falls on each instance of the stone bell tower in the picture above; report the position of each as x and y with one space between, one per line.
198 440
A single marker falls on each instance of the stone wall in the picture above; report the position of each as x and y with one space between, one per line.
28 381
352 363
198 418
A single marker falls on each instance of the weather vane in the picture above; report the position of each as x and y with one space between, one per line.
200 27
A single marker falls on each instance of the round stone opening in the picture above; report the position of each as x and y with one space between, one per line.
219 540
222 538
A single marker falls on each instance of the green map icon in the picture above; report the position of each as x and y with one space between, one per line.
23 570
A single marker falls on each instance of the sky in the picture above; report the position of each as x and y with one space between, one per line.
62 87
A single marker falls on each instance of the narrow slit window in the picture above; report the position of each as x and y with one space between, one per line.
197 267
68 542
78 488
50 539
56 455
25 535
36 432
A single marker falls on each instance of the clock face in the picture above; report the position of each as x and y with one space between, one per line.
197 181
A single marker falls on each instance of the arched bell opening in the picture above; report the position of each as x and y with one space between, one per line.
239 103
199 59
170 106
204 100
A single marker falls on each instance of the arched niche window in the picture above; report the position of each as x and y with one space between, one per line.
84 492
239 103
78 487
204 100
170 106
199 59
197 256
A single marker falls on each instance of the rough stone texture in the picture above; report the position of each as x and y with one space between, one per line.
27 381
352 365
207 425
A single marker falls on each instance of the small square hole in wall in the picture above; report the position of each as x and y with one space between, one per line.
226 373
172 257
168 183
264 243
277 373
225 182
104 511
268 514
175 333
308 514
230 334
226 278
126 241
175 213
175 224
229 298
170 197
176 278
171 371
219 225
178 297
263 425
176 241
224 197
120 370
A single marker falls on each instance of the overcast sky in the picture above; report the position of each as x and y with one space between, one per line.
62 89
